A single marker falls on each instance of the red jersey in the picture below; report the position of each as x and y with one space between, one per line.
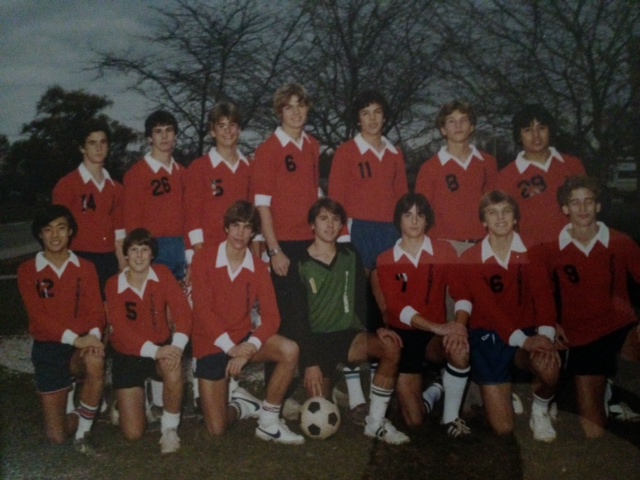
505 297
212 186
286 179
454 190
223 301
368 183
63 303
419 285
153 198
535 187
592 280
97 208
139 319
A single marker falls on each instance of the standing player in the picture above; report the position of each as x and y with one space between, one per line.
456 177
286 185
335 281
96 203
591 263
215 181
506 292
153 193
413 277
368 177
66 319
534 176
140 301
228 281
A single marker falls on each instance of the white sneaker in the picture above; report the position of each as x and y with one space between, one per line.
518 408
291 409
385 432
540 424
279 433
169 441
248 406
623 412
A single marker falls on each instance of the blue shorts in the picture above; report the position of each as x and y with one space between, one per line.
52 364
171 254
212 367
414 349
599 357
371 239
491 358
130 371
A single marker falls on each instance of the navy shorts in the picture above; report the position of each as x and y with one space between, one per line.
491 358
52 364
370 239
599 357
129 371
171 254
212 367
414 349
331 348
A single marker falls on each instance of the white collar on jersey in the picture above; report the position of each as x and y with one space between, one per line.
42 263
216 159
602 236
86 176
444 156
123 284
156 165
398 252
286 139
522 163
223 261
365 146
517 245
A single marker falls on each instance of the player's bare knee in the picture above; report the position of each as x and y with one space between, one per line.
290 352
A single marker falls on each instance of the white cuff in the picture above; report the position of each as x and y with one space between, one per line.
258 238
344 239
262 200
517 338
224 342
68 337
196 236
188 255
179 340
120 234
407 314
547 331
149 350
464 306
320 193
96 332
255 341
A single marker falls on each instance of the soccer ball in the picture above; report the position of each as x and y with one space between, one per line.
319 418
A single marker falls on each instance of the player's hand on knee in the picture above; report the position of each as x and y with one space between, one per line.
455 344
170 356
539 343
235 366
313 381
450 328
88 340
243 349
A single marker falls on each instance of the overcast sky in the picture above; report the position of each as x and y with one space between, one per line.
43 43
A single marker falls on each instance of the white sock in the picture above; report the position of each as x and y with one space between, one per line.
431 395
540 405
156 393
269 414
169 420
373 368
86 414
379 401
354 387
454 381
71 407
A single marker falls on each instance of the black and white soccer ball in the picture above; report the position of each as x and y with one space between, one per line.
319 418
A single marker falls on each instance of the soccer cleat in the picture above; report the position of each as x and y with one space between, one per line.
358 414
82 446
279 433
623 412
518 408
248 406
169 441
540 424
385 432
458 428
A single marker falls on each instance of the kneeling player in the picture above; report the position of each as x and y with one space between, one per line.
146 344
413 278
335 283
66 319
592 263
512 319
228 281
